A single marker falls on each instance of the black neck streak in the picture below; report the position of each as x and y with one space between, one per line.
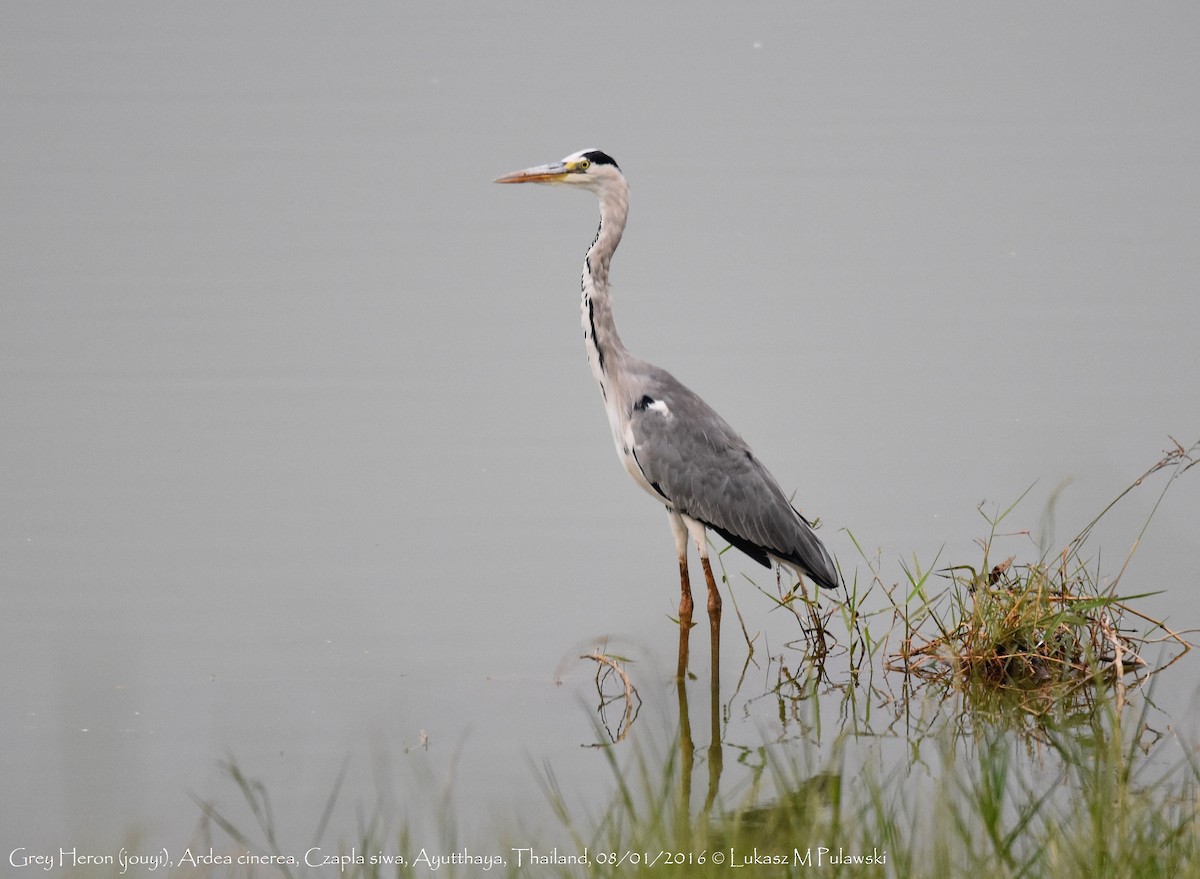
605 351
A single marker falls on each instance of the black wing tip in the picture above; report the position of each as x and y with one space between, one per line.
753 550
824 581
762 554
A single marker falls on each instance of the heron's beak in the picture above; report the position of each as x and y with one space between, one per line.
555 172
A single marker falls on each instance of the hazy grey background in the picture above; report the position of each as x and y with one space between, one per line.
299 454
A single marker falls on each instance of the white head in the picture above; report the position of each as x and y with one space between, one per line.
590 169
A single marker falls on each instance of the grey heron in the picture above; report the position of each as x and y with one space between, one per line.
672 443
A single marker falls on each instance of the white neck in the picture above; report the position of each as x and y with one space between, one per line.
604 348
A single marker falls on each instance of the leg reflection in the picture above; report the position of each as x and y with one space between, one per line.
687 753
687 747
714 716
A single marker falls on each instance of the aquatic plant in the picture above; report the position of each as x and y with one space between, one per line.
1007 693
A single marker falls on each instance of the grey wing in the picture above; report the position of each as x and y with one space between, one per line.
691 456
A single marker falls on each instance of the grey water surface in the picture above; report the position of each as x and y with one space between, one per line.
300 459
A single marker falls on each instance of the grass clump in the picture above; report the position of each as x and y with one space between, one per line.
1036 633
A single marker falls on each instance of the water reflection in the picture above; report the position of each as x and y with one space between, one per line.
850 683
687 746
819 728
618 708
859 759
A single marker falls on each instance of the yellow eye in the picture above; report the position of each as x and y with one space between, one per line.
583 165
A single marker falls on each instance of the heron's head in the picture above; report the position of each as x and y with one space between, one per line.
589 169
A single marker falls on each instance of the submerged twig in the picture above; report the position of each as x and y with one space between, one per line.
607 667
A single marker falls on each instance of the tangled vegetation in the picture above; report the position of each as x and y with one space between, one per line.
1008 682
1042 631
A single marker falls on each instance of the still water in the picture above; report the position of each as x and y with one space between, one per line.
300 460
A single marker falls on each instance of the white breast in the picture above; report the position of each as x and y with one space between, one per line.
625 451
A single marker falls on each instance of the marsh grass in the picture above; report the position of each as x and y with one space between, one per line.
1018 694
1101 804
1105 800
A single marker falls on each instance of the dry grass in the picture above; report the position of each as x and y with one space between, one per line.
1043 631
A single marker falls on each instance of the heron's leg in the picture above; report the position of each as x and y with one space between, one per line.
714 597
714 622
700 538
680 530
